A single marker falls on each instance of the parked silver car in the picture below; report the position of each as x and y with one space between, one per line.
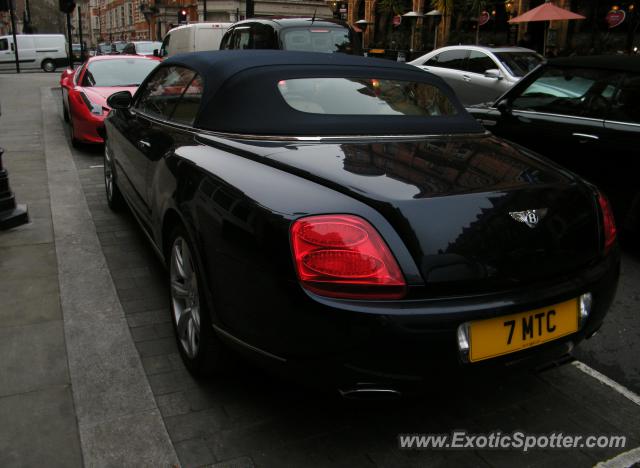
479 74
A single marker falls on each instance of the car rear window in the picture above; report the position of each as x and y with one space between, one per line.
327 40
365 96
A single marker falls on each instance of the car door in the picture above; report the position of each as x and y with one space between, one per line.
450 66
146 138
27 52
7 59
621 138
561 114
477 87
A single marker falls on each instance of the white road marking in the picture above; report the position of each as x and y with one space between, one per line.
621 389
624 460
96 166
630 457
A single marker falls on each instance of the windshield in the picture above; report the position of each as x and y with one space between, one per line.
118 72
327 40
147 48
365 96
104 48
519 64
119 46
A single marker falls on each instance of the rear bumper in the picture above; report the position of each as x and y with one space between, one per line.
344 344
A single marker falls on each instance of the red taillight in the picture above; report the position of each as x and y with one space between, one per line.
608 221
344 256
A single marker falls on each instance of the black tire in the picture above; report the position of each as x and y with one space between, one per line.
48 66
114 196
74 141
211 356
65 112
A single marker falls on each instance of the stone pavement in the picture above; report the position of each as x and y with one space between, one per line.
244 418
36 404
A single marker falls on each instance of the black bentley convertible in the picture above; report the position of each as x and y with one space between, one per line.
344 220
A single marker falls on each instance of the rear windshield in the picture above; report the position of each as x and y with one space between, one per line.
519 63
327 40
118 72
104 48
365 96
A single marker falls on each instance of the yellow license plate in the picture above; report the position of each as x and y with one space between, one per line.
509 333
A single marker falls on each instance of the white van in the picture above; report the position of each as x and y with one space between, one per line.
46 51
193 38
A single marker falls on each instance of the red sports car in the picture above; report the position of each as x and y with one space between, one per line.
85 91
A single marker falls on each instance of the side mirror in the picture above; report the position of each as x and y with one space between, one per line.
120 100
504 107
156 53
493 73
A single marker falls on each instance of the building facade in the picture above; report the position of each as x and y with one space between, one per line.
129 20
457 24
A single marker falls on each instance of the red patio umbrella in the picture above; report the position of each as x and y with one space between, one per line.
546 12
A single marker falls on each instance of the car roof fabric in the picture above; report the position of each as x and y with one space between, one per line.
241 95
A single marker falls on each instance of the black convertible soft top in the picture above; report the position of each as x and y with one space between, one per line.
241 96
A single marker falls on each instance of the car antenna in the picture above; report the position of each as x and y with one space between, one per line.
314 16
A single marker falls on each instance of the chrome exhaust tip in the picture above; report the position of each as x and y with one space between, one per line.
370 393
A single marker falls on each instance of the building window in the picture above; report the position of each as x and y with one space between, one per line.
130 11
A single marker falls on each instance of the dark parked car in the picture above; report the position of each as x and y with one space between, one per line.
584 113
294 34
141 47
354 224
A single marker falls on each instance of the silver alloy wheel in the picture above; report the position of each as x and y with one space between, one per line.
108 173
184 296
48 66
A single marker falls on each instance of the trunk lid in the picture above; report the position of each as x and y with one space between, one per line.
456 202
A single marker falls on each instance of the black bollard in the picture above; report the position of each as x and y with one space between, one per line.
11 215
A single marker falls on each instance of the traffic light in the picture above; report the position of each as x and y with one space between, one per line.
182 16
67 6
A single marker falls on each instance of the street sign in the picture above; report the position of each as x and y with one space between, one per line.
615 18
397 20
483 18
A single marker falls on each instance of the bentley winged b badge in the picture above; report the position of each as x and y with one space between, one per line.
529 217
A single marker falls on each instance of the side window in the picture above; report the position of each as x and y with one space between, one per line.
4 44
165 45
479 62
580 92
242 38
187 108
163 91
264 37
449 59
129 49
626 101
225 43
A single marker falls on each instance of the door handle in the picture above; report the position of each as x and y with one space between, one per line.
586 136
466 78
144 144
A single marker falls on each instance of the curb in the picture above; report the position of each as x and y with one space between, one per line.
118 419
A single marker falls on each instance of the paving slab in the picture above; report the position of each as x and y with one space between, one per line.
38 422
36 429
